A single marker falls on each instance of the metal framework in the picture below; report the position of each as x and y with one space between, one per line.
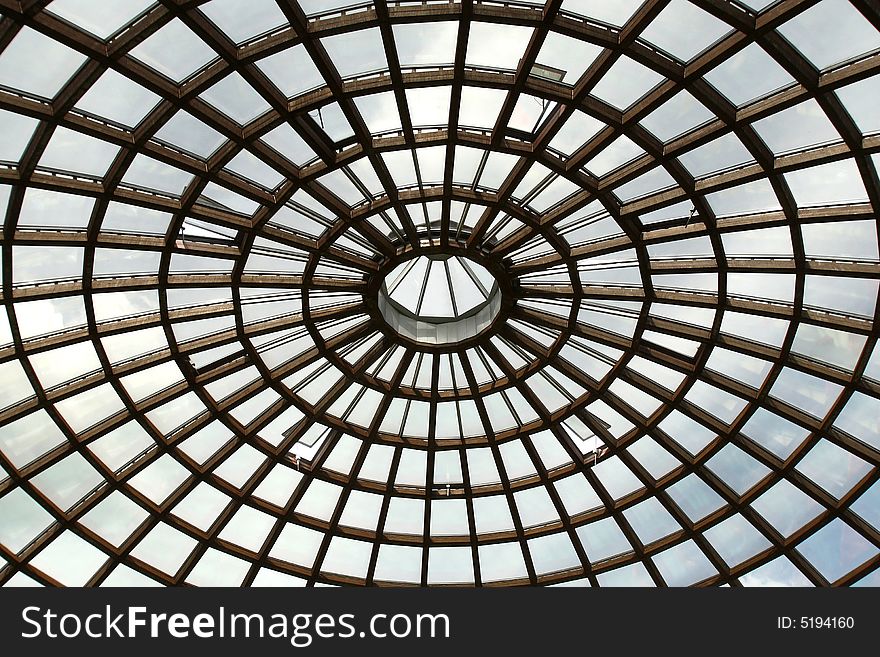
632 397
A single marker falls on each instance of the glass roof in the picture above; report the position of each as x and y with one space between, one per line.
439 299
632 252
443 287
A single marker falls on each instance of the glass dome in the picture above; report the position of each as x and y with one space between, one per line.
468 293
439 299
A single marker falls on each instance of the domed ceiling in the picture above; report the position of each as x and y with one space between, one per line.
439 293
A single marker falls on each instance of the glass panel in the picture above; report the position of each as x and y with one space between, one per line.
449 518
248 528
676 116
684 565
787 508
319 500
450 565
633 575
202 506
747 75
405 516
830 32
614 13
492 514
236 98
240 23
859 419
846 295
496 46
858 101
572 56
56 63
737 469
346 556
98 17
501 561
73 151
30 437
159 479
69 560
22 520
297 545
835 469
695 497
117 98
835 182
651 521
535 507
779 572
617 478
828 345
68 481
726 152
123 576
553 553
721 404
625 82
688 433
426 43
796 127
174 50
217 568
868 506
187 132
654 458
164 548
836 550
774 433
577 495
356 52
15 133
603 540
736 540
399 563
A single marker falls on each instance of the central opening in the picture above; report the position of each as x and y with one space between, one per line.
439 299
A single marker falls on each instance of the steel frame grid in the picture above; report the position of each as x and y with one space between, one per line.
748 27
